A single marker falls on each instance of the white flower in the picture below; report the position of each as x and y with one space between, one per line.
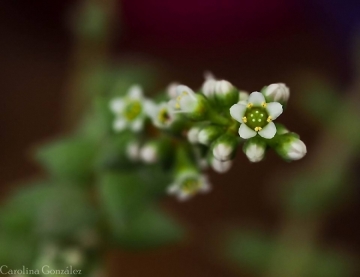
129 110
297 150
193 134
255 151
133 151
160 115
188 184
277 93
256 116
187 101
149 153
221 166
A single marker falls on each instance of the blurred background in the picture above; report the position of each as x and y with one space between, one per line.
48 46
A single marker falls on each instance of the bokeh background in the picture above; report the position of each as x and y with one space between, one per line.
251 43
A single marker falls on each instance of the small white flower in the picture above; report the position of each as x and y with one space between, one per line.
255 151
221 166
185 100
133 151
160 115
193 134
188 184
129 110
149 153
188 102
277 93
256 116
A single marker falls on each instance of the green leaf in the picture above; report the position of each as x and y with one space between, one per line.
250 250
70 159
64 212
123 196
152 228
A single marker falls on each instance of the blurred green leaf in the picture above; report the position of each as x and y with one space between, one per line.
314 194
319 97
152 228
330 265
123 197
251 250
65 211
70 159
16 250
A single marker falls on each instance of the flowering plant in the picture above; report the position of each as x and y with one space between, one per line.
205 128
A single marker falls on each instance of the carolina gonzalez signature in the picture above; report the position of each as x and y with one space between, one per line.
46 270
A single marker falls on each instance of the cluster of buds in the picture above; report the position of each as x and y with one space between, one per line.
210 124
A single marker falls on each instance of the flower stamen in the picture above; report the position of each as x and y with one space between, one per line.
244 119
257 129
269 119
264 104
249 105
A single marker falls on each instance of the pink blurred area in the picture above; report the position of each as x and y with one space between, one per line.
203 22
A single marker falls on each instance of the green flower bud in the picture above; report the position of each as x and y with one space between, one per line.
277 93
290 147
226 94
254 149
224 148
209 133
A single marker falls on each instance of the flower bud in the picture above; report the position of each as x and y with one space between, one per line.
290 147
208 88
209 133
224 147
149 153
277 93
254 149
281 129
226 94
243 97
220 166
133 151
192 134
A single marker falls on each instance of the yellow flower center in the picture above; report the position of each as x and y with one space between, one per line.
132 110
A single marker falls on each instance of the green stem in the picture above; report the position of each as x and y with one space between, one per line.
218 119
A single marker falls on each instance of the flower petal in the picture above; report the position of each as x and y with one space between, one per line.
181 89
137 125
269 131
135 92
119 124
117 105
150 108
256 98
274 109
245 132
237 112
